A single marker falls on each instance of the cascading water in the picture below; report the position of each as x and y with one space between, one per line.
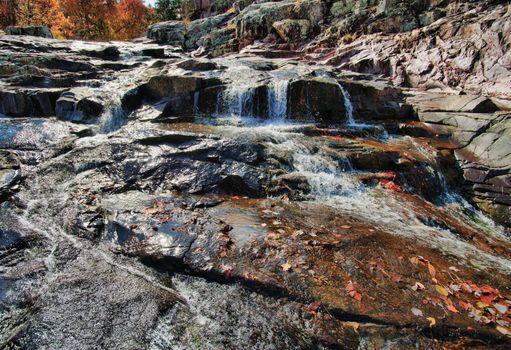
277 99
238 101
348 106
196 102
113 119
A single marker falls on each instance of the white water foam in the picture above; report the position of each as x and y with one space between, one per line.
277 99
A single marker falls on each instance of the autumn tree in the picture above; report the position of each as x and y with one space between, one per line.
7 13
33 12
80 19
131 20
88 19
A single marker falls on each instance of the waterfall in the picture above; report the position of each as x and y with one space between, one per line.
348 106
277 99
113 119
196 102
238 101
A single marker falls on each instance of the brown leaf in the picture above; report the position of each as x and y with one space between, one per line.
504 330
395 278
286 266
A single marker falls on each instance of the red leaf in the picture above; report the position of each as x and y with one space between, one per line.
315 305
391 186
488 299
352 292
356 296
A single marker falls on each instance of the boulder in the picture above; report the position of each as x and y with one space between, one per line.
463 127
174 85
155 52
40 31
10 173
316 98
314 11
169 33
376 100
79 105
291 30
431 102
29 102
197 65
199 30
179 89
256 21
106 53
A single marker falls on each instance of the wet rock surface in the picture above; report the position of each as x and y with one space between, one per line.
243 201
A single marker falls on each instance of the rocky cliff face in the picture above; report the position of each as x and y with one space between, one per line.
259 179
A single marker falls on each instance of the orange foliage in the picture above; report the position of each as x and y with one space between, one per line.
131 20
80 19
7 13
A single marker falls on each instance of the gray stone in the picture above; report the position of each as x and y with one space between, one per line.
40 31
79 105
169 33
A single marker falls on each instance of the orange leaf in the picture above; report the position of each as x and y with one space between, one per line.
464 304
432 270
452 308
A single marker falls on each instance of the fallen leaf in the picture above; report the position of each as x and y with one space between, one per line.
315 305
482 305
452 309
432 321
352 292
464 304
354 325
286 266
391 186
503 330
501 308
417 312
356 295
466 287
488 290
396 278
418 286
432 270
455 288
441 290
487 299
346 227
453 268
